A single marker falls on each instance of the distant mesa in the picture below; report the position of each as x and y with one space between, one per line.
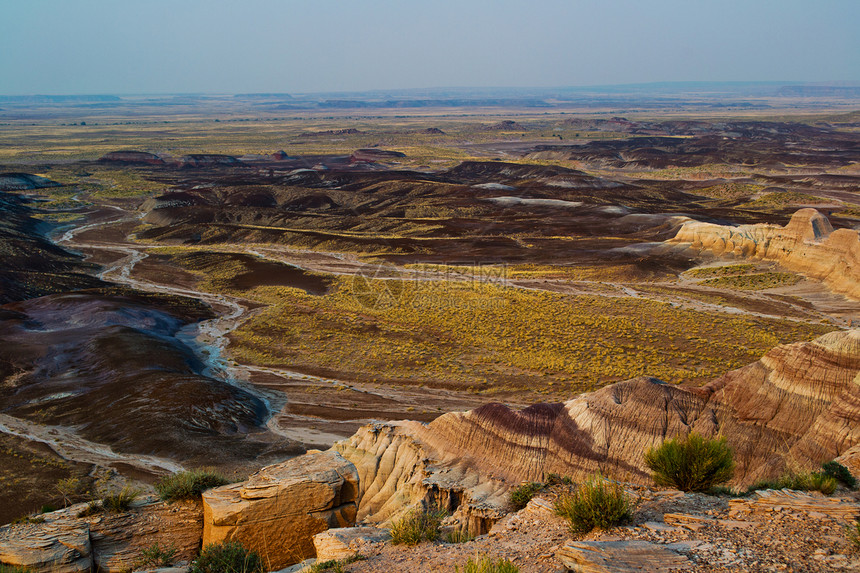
506 125
432 131
208 160
281 155
373 154
24 182
131 158
807 245
350 131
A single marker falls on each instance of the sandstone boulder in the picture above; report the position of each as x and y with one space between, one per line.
814 503
118 539
400 470
62 546
111 542
280 508
344 542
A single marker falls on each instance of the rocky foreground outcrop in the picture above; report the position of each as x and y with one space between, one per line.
63 542
795 408
807 245
280 508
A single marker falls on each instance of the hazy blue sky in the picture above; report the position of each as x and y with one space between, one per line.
221 46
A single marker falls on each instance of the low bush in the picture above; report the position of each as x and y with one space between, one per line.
188 484
121 501
693 463
520 496
596 504
487 564
840 473
417 526
556 479
227 557
155 557
809 481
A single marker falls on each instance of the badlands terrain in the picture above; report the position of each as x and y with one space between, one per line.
454 303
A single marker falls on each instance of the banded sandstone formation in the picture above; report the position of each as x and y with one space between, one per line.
807 245
795 408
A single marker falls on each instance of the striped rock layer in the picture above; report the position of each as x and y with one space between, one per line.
796 407
807 245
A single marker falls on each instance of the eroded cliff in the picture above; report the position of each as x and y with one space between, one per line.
807 245
796 407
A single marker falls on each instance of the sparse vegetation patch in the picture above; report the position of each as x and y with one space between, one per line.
754 282
227 557
520 496
801 481
189 484
596 504
486 564
120 501
840 473
417 526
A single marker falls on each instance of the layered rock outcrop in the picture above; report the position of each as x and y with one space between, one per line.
399 471
280 508
106 542
57 547
807 244
796 407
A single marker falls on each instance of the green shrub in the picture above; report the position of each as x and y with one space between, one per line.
417 526
227 557
520 496
840 473
121 501
596 504
487 564
810 481
188 484
155 556
693 463
48 508
556 479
